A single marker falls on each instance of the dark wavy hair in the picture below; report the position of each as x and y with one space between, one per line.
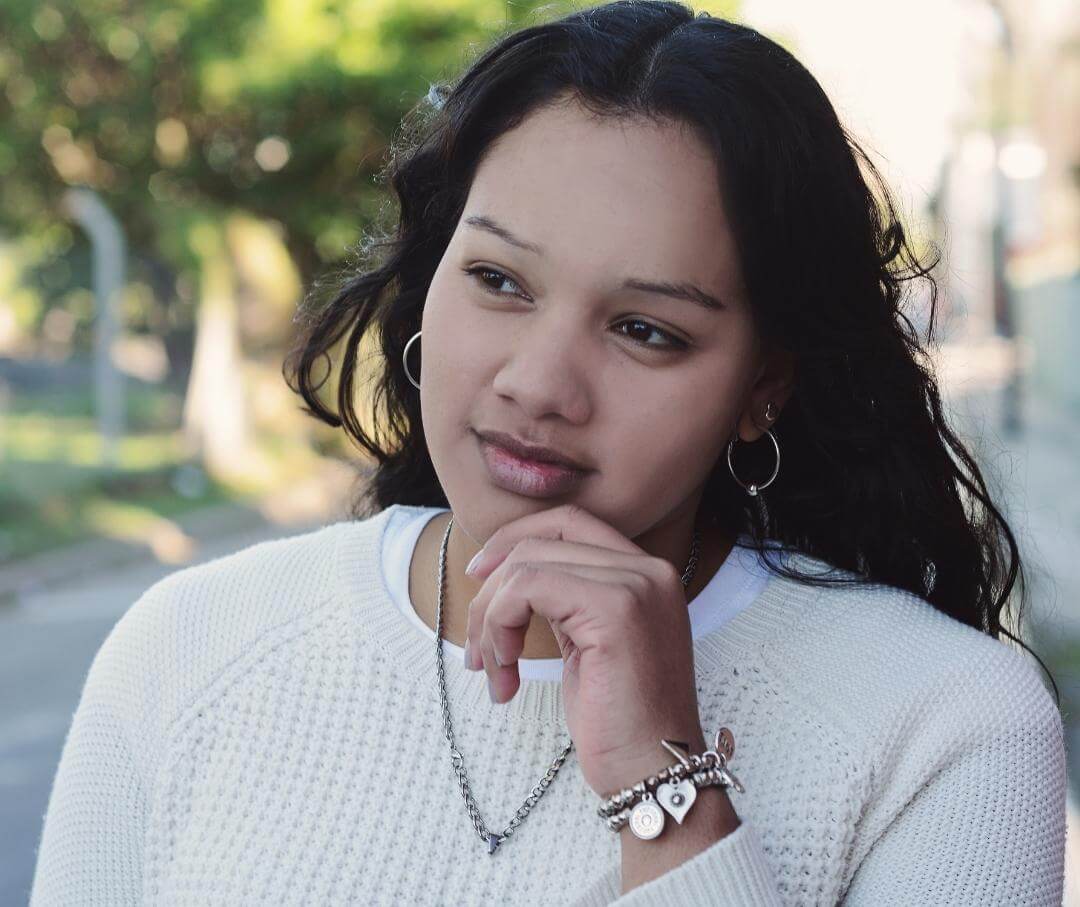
874 481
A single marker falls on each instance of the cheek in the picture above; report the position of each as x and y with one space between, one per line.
674 437
446 336
452 365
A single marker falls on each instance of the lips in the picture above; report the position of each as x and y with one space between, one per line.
531 478
532 452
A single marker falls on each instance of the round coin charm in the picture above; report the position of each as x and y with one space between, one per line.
646 818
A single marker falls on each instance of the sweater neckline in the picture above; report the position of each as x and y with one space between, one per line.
360 585
734 585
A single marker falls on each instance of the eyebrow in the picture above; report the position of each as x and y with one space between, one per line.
674 289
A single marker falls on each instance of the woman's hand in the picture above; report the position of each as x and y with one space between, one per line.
620 617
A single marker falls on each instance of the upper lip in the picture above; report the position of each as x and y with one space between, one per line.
530 451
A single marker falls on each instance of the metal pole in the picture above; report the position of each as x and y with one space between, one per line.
1004 321
86 208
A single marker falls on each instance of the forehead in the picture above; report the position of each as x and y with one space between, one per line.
616 194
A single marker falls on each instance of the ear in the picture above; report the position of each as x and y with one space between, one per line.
774 384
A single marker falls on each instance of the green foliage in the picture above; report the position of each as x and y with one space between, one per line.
186 110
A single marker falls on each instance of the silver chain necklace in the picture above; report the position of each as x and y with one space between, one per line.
491 839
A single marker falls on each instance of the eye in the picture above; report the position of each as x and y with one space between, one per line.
482 274
671 341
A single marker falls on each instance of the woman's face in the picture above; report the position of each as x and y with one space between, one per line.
549 344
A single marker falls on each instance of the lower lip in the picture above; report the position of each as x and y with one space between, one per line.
528 477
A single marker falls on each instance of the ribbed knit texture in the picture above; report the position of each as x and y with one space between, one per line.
265 728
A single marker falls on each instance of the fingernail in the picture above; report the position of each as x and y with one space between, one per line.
474 562
469 665
491 691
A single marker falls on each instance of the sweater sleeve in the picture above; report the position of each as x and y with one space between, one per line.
90 850
734 870
987 828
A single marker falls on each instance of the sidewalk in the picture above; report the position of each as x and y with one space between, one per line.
324 497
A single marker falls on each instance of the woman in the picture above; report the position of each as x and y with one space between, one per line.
637 259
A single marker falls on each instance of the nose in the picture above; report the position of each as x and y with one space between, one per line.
546 369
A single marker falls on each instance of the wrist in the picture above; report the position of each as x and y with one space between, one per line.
713 816
671 790
635 767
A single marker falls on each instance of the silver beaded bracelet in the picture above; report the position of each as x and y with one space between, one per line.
673 789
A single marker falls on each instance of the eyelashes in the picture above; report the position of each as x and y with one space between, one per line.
480 272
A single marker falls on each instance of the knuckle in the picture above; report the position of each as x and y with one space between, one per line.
525 547
641 584
522 568
667 571
623 598
608 648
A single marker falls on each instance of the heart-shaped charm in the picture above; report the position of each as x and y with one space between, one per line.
677 798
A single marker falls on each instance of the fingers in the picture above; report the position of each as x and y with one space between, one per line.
585 602
568 522
503 681
538 550
535 549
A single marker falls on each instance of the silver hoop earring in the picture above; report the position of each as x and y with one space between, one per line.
752 489
405 361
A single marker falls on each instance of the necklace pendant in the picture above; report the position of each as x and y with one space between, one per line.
493 843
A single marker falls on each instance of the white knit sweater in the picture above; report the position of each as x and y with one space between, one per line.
265 728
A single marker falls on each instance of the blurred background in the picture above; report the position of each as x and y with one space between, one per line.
175 176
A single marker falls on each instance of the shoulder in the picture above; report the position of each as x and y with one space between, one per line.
880 657
242 593
189 626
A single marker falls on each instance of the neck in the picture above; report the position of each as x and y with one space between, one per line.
539 640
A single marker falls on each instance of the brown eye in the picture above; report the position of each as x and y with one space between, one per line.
671 341
481 273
